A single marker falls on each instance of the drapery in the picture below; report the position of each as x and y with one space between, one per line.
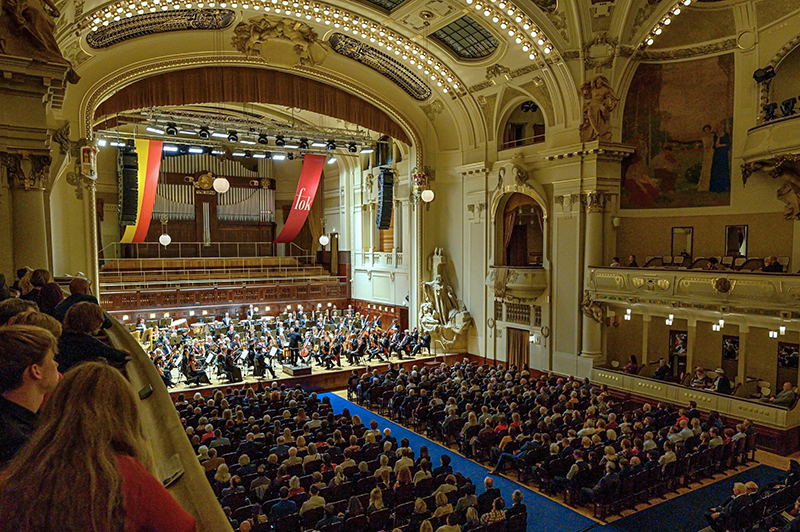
508 228
518 347
247 84
315 220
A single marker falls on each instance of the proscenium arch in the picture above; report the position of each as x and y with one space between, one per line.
107 86
241 84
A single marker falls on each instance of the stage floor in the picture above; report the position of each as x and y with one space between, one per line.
320 380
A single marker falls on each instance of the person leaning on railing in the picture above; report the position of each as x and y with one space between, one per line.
83 468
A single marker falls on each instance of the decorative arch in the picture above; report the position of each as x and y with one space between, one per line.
246 84
506 115
785 51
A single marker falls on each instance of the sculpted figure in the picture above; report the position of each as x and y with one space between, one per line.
601 100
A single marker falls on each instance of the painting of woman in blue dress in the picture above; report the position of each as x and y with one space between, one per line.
720 164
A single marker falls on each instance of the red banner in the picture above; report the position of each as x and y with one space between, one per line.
303 198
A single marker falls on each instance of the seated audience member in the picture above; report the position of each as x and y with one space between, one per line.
11 307
717 517
28 372
721 384
314 500
469 499
496 513
283 507
699 380
443 506
77 343
632 262
486 498
784 398
419 515
426 526
39 278
772 265
330 517
615 263
517 507
50 296
713 264
451 524
79 291
375 501
5 291
95 466
632 366
664 371
473 520
37 319
445 468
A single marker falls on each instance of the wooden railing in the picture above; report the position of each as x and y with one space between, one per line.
167 438
184 298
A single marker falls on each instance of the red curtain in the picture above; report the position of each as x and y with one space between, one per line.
244 84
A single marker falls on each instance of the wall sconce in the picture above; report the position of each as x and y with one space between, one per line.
627 315
421 187
773 334
782 330
205 312
191 313
152 315
668 321
266 309
125 317
715 327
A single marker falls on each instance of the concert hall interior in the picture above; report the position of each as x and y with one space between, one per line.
554 241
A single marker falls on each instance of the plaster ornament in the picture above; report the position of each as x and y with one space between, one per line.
249 37
442 314
600 102
591 309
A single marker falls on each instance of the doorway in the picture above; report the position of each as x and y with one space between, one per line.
518 347
678 341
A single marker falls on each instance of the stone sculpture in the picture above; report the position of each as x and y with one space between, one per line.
442 314
600 102
249 36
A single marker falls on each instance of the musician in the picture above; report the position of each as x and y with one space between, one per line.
294 344
424 342
193 370
250 312
357 346
163 373
375 350
226 320
405 345
231 370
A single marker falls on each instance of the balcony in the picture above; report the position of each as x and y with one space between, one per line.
775 137
773 292
521 283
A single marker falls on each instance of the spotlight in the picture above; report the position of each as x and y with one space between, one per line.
153 129
170 149
367 150
232 136
219 135
352 148
217 151
303 144
290 156
764 74
331 160
787 106
262 139
204 133
196 150
769 111
318 144
279 141
279 157
331 145
172 129
102 142
239 154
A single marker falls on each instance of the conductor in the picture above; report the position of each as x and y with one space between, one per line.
294 338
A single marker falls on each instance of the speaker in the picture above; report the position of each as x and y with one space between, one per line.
128 182
385 198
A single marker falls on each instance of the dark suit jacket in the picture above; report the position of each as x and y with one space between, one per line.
62 308
74 348
486 499
282 509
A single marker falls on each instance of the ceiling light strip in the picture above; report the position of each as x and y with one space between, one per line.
666 20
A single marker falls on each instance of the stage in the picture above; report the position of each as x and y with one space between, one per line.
320 380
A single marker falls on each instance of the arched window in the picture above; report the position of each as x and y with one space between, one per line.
525 125
522 224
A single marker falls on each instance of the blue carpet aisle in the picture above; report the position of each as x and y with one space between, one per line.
685 513
543 514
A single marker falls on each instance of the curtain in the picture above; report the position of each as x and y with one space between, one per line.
508 228
314 220
246 84
518 347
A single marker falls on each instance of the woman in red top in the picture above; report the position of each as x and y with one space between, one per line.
81 470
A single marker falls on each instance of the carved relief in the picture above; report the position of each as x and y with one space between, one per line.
248 37
153 23
599 52
590 308
595 201
432 109
781 166
442 314
600 102
26 171
498 70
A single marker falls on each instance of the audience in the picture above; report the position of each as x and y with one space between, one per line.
91 476
77 343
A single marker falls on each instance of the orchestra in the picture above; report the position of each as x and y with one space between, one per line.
231 348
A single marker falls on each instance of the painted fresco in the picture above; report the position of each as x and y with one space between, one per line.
679 117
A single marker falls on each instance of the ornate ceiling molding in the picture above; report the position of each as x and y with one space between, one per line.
153 23
381 63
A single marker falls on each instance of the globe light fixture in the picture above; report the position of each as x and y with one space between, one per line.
221 185
323 240
164 240
427 195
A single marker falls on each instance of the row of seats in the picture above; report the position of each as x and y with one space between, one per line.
701 263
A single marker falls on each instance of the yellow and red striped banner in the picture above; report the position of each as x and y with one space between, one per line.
149 159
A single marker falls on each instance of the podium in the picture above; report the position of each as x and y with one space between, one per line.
296 371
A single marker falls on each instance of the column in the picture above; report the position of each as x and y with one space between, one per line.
27 175
645 338
591 345
691 336
742 370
